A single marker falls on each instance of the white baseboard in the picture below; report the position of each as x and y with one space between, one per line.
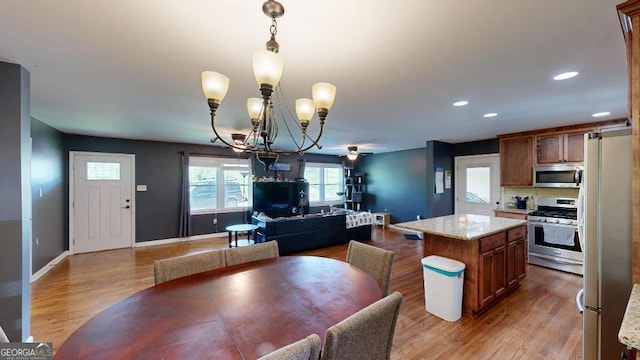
66 253
177 240
49 266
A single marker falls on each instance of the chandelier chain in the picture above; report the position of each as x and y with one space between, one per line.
273 29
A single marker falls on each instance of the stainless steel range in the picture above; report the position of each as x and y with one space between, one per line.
553 235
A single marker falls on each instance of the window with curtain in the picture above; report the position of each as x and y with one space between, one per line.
325 182
218 184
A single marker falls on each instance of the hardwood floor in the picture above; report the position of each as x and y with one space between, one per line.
538 321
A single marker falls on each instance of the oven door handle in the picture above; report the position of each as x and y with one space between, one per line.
539 224
554 259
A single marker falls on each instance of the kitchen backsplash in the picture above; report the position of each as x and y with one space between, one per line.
509 192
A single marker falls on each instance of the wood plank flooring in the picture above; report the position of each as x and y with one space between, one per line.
538 321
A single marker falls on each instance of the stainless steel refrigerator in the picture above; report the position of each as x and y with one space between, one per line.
605 233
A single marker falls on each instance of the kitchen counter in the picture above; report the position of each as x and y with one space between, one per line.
493 250
462 226
630 328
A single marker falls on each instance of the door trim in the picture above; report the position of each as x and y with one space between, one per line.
72 230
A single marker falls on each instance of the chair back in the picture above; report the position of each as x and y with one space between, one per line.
375 261
177 267
365 335
3 336
240 255
305 349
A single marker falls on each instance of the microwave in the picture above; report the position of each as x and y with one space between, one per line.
558 175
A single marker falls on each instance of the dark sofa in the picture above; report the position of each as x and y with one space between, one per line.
296 233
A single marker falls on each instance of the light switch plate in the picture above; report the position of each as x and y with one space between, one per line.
141 187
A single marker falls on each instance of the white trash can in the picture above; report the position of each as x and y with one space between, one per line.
443 279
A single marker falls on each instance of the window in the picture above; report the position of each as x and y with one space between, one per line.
478 184
103 171
218 184
325 182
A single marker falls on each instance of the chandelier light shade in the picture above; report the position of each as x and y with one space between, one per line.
267 67
254 108
323 95
214 85
305 110
263 111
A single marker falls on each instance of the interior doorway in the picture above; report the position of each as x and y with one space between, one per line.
477 180
101 205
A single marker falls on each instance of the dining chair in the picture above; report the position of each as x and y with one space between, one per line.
375 261
5 339
177 267
305 349
365 335
244 254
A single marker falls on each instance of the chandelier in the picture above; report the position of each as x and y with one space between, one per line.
267 69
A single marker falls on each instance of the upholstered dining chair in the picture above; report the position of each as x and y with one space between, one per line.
5 339
375 261
365 335
240 255
177 267
305 349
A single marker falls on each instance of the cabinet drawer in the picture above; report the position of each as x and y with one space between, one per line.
492 241
510 215
516 233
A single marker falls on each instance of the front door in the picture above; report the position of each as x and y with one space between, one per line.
477 184
101 207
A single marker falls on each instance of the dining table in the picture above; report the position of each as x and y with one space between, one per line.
238 312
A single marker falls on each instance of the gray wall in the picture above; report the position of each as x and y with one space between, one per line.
402 182
439 154
158 165
15 212
396 183
48 194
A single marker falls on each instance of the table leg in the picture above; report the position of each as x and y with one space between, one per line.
229 238
236 239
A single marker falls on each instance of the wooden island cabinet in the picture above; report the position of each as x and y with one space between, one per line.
492 249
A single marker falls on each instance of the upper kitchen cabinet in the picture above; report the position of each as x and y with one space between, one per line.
516 161
561 147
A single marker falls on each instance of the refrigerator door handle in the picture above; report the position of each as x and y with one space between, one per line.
580 300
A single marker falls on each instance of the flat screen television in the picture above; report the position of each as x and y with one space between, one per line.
277 199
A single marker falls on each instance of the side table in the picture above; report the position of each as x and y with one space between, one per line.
249 228
383 219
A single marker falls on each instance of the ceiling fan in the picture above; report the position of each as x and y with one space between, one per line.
352 152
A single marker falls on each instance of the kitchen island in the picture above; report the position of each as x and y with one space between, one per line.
493 250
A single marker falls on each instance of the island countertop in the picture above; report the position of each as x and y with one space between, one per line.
630 329
462 226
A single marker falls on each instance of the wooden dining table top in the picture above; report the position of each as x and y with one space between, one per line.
238 312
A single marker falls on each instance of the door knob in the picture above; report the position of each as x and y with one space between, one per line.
126 207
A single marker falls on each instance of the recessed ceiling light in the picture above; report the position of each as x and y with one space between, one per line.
460 103
566 75
601 114
488 115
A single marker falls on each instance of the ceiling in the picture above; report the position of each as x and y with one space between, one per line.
131 69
